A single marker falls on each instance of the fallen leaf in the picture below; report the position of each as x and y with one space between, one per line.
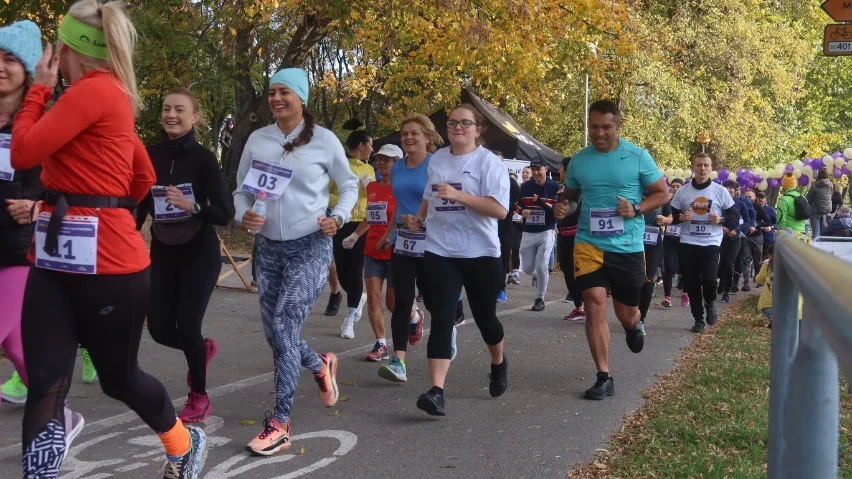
343 398
247 422
336 413
346 382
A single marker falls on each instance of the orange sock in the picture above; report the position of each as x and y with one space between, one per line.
176 440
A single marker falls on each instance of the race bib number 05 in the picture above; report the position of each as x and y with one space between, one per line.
377 214
443 205
265 177
165 211
606 222
78 245
410 244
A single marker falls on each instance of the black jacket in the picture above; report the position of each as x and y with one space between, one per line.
184 160
25 185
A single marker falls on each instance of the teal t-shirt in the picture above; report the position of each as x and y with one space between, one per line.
625 172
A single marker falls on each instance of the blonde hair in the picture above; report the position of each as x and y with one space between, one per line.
112 18
193 100
433 139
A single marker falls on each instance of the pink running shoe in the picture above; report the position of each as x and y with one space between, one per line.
327 380
667 302
275 437
576 315
196 408
212 349
684 300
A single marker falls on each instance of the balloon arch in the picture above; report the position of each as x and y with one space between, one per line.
839 164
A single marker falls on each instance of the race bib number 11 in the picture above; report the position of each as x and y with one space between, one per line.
265 177
78 245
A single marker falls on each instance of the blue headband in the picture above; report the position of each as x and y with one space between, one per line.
294 78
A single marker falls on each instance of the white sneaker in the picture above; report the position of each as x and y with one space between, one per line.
454 347
74 423
360 307
347 330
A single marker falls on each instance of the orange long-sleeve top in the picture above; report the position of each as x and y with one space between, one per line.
87 144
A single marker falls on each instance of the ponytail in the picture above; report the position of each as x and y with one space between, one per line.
306 134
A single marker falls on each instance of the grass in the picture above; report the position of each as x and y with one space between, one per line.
708 418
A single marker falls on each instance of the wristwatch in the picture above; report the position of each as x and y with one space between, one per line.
637 209
337 219
196 208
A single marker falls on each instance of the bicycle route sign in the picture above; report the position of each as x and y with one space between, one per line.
838 39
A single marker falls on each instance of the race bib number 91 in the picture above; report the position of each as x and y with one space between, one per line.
265 177
606 222
78 245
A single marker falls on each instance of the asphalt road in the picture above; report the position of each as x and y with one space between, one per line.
539 428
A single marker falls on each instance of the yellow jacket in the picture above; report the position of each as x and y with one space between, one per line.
764 277
365 174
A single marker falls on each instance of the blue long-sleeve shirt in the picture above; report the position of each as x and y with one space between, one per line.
752 214
743 222
769 236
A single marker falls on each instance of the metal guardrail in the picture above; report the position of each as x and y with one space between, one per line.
804 392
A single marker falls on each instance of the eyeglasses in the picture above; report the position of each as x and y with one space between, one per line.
464 123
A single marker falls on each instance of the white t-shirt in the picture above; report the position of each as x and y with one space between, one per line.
713 199
452 229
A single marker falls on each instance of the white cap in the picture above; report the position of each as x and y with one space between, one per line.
391 151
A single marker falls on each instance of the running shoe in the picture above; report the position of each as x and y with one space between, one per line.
212 347
360 309
327 380
734 289
698 327
513 279
347 329
275 437
89 371
667 302
712 314
538 305
189 465
720 289
654 291
576 314
498 379
684 300
394 371
415 329
74 423
454 348
746 288
501 296
432 401
334 301
726 298
636 338
568 298
196 408
13 390
379 353
604 387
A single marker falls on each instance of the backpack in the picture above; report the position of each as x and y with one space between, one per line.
801 207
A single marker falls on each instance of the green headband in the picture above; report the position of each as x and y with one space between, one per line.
83 39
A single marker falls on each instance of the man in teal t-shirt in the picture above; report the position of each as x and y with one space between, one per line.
609 253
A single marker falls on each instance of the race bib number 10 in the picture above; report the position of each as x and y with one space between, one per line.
265 177
700 228
78 245
605 222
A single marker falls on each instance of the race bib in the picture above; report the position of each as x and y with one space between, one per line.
165 211
265 177
700 228
443 205
673 230
410 244
377 213
6 170
78 245
536 217
651 235
606 222
366 180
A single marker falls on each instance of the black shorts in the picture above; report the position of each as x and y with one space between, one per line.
623 273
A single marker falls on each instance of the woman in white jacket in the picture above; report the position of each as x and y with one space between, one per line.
292 161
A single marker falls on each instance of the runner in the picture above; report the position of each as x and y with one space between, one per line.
466 194
409 180
753 244
565 243
731 243
189 197
348 246
611 174
518 225
537 199
91 279
744 256
653 239
768 231
292 161
505 230
670 263
700 208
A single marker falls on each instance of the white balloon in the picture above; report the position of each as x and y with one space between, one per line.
678 172
798 164
758 171
797 173
669 172
714 175
847 152
839 162
827 159
763 185
808 171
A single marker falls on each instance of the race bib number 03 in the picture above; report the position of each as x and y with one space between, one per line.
377 214
651 235
443 205
6 170
410 244
165 211
605 222
265 177
700 228
78 245
536 217
673 230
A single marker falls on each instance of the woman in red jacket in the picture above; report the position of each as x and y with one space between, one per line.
91 279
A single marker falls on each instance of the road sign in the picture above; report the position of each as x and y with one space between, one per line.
837 40
838 10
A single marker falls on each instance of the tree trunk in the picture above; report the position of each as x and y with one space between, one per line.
772 196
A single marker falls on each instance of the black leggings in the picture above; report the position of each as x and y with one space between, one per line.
407 273
565 255
517 233
104 314
504 230
444 280
653 258
728 257
670 263
698 268
350 263
182 280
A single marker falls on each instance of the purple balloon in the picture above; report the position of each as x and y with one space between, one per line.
817 164
837 172
758 178
788 169
808 161
845 170
804 180
688 181
750 184
773 183
749 174
836 155
741 172
723 174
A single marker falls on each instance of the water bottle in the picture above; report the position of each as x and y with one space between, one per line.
259 207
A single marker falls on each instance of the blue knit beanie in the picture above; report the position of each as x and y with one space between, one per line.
294 78
23 39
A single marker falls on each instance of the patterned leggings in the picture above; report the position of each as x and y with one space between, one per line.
290 277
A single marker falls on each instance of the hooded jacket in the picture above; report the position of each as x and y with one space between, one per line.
786 210
25 185
819 196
